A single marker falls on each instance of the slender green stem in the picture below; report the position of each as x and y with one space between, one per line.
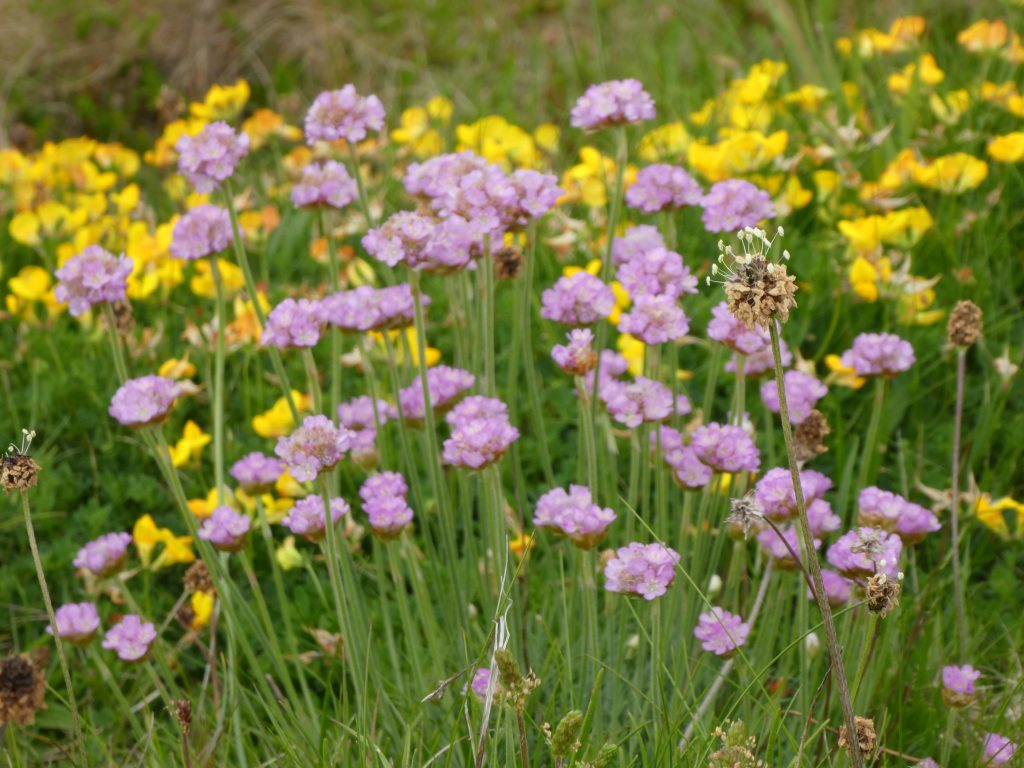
487 299
589 438
811 556
120 365
218 383
357 173
954 509
313 380
335 281
870 455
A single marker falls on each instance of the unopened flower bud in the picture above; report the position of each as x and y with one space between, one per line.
564 741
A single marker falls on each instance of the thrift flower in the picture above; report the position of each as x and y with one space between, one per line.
998 750
130 638
634 242
324 185
616 102
721 632
210 157
385 504
878 354
481 433
445 385
838 589
726 448
578 357
343 114
655 320
202 231
92 277
725 328
656 271
647 570
580 299
661 187
733 204
307 517
774 491
689 471
256 472
803 392
143 401
958 685
293 324
314 447
636 402
226 529
371 309
865 551
76 623
573 514
423 243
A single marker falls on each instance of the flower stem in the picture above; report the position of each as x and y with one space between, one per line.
357 174
115 343
218 383
811 556
867 461
335 282
954 509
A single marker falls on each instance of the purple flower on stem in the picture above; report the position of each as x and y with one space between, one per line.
733 204
958 685
433 177
481 682
635 242
879 354
726 448
721 632
725 328
358 413
865 551
656 271
580 299
761 361
803 392
838 589
573 514
104 556
293 324
998 750
385 504
647 570
130 638
314 447
343 114
306 518
423 243
76 623
256 472
445 385
210 157
916 522
662 187
774 491
578 357
636 402
820 517
92 277
615 102
775 546
143 401
201 231
371 309
324 185
226 529
655 320
481 433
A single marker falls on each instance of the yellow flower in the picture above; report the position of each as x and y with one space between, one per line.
587 181
417 133
546 137
925 72
30 286
146 535
902 227
952 174
163 153
222 102
951 107
177 551
841 374
266 123
666 142
521 544
807 96
173 368
288 486
433 355
865 276
984 35
1008 148
191 444
202 282
633 350
740 152
277 421
203 508
245 328
499 141
274 509
288 555
994 514
202 608
793 196
826 182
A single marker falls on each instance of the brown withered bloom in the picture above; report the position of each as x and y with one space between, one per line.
883 594
866 736
758 290
508 262
197 578
182 712
123 318
745 515
18 471
810 436
23 687
965 324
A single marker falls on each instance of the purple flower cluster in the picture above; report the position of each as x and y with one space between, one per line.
130 638
143 401
422 243
293 324
803 392
663 187
210 157
445 385
481 433
774 545
838 589
731 205
726 448
324 185
385 504
481 682
573 514
580 299
371 309
655 319
879 354
76 623
636 402
306 518
655 271
343 114
577 357
865 551
256 471
314 447
358 415
762 361
92 277
226 529
725 328
890 511
775 495
721 632
615 102
998 750
201 231
647 570
105 555
958 684
634 242
432 178
689 471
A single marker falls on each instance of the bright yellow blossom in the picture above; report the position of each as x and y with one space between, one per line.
202 281
951 107
588 181
1008 148
288 555
665 143
222 102
147 535
433 356
496 139
190 446
841 374
264 124
739 152
30 286
984 35
277 421
173 368
203 508
866 275
417 132
275 509
994 514
546 137
288 486
952 174
633 350
201 604
924 72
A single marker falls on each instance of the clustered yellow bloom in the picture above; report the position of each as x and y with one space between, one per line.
278 421
999 514
147 536
589 181
902 35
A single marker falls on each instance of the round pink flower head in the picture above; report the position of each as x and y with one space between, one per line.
578 357
662 187
820 517
76 623
726 448
226 529
314 447
371 309
130 638
647 570
359 412
343 114
865 551
385 504
655 319
803 392
580 299
92 277
324 185
143 401
878 508
998 750
786 557
423 243
307 519
958 685
104 556
293 324
879 354
211 156
634 242
482 681
201 231
774 491
689 471
573 514
838 589
656 271
733 204
615 102
721 632
256 472
725 328
445 385
637 402
481 433
761 361
915 523
432 178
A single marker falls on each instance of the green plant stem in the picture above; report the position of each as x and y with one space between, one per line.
487 319
120 364
357 174
218 384
334 276
869 456
954 507
811 556
76 719
524 332
589 438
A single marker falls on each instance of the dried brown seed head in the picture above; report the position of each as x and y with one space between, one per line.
867 739
883 594
965 324
22 687
18 472
508 262
810 436
197 578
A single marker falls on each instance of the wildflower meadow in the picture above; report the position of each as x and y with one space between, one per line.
665 412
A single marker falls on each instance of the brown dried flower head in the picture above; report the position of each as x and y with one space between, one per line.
22 687
18 471
182 711
197 578
867 739
965 324
123 317
810 436
508 262
745 515
758 290
883 594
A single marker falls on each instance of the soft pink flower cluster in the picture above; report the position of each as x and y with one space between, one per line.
307 519
385 504
890 511
92 277
579 299
721 632
481 433
647 570
803 392
879 354
143 401
615 102
726 448
343 114
210 157
226 529
574 514
293 323
314 447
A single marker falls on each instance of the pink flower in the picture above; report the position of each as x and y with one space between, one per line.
647 570
131 638
721 632
879 354
76 622
726 448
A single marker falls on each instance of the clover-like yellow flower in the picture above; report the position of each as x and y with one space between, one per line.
146 535
665 143
173 368
496 139
201 604
922 73
588 182
202 283
222 102
1008 148
842 375
984 35
952 174
995 515
865 276
277 420
190 446
265 124
288 555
